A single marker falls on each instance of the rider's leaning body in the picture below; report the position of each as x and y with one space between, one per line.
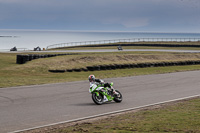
96 82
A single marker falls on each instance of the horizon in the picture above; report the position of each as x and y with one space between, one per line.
100 31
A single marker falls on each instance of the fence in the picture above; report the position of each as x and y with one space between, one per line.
60 45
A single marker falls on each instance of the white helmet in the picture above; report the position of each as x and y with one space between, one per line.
91 78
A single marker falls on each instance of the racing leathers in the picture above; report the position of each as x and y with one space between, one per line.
100 82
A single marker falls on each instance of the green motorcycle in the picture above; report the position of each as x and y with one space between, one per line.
102 94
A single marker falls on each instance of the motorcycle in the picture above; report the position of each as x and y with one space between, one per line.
102 94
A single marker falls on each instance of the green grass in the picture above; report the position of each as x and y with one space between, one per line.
180 117
36 71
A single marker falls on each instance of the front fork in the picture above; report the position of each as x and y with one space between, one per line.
97 93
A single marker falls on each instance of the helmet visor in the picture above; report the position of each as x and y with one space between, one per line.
90 79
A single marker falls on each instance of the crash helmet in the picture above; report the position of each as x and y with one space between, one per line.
91 78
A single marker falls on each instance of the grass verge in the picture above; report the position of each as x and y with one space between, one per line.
181 116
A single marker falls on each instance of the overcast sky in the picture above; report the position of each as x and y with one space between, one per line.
106 15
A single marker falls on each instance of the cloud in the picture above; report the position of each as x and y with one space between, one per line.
135 22
128 22
11 1
100 14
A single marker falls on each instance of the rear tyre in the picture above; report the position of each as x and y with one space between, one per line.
97 99
117 97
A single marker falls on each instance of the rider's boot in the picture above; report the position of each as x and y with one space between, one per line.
114 92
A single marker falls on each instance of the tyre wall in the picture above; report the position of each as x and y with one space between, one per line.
22 59
128 66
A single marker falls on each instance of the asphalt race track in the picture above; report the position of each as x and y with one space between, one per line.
32 106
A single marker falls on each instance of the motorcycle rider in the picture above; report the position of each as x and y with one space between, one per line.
93 80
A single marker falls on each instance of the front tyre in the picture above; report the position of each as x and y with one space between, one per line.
97 99
117 97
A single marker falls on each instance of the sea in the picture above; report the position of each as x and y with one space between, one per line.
30 39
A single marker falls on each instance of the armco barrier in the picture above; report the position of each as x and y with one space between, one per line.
130 42
21 59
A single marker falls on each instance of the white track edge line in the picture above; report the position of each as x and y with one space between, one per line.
104 114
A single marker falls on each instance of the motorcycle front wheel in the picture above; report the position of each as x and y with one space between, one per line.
117 97
97 99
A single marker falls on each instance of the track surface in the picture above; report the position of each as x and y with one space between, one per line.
31 106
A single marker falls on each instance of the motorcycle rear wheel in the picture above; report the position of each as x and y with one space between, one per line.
97 99
118 97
